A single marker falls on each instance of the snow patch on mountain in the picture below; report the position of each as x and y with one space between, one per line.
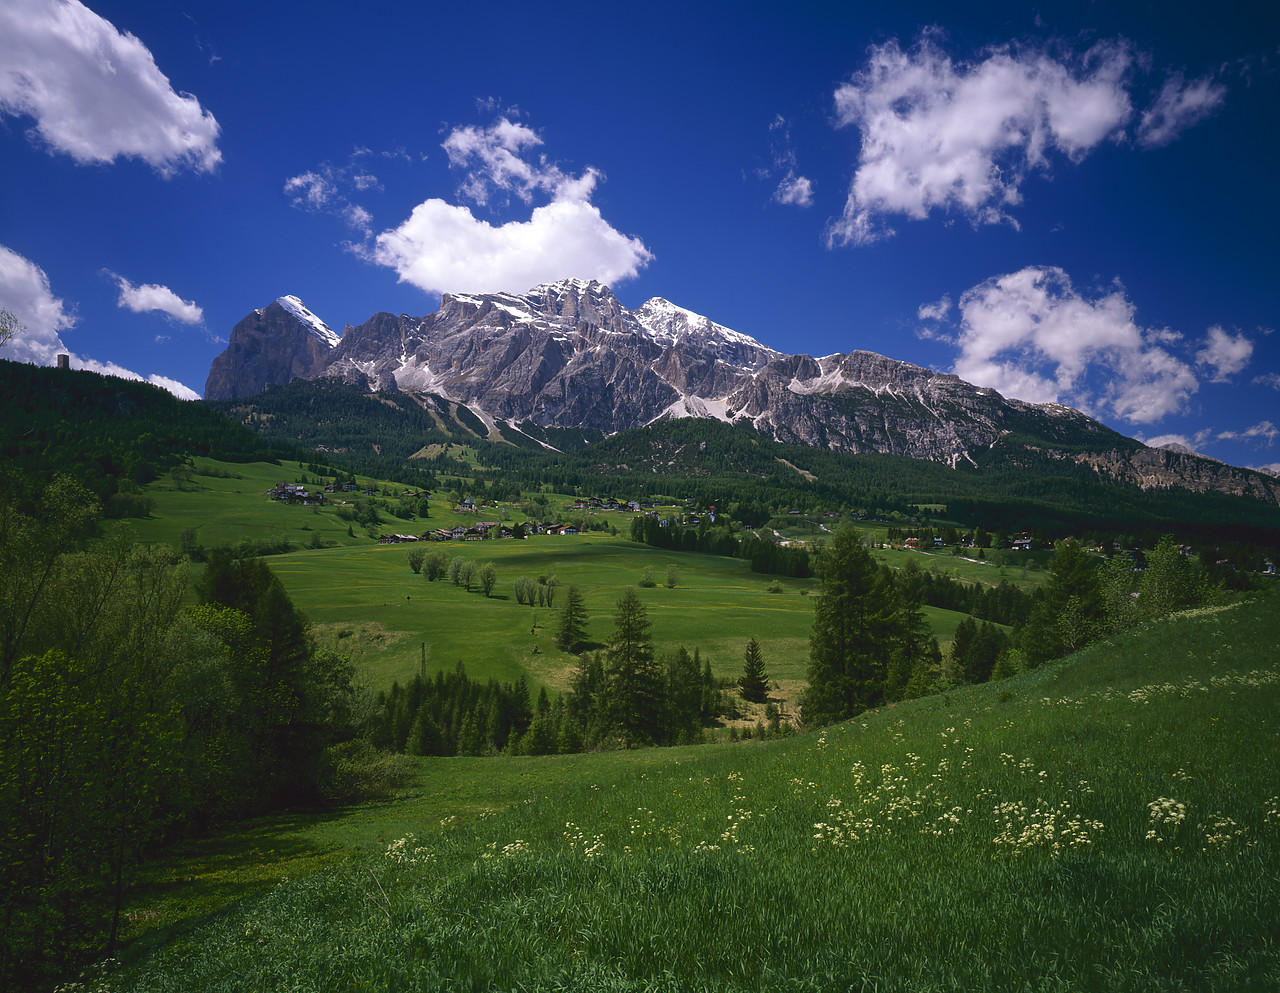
414 375
316 326
510 422
695 406
667 323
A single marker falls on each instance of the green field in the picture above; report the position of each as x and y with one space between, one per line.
390 613
1107 822
365 602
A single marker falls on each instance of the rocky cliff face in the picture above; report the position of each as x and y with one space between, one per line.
281 342
569 354
1160 468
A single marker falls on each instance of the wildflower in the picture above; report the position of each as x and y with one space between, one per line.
1164 812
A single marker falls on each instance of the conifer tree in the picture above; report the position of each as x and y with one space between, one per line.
855 632
573 622
633 680
425 737
684 696
753 683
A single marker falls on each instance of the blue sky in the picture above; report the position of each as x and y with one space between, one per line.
1069 202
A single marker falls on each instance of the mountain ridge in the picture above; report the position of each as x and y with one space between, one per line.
569 354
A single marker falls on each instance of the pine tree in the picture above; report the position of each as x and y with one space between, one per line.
634 698
753 683
684 696
573 623
1070 611
425 737
962 649
586 699
855 631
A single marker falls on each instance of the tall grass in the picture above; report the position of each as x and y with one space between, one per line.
1111 822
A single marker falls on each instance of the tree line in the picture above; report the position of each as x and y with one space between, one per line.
869 644
111 435
764 553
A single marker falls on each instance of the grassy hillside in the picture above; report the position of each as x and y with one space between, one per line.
1110 822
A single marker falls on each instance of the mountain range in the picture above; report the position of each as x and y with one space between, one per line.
570 355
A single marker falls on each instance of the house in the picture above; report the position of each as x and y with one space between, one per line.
293 493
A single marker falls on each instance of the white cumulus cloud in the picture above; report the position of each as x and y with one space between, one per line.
1226 353
153 297
1030 334
443 247
95 93
493 158
181 391
25 293
941 135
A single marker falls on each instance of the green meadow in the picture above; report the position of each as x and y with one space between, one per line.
365 602
369 598
1107 822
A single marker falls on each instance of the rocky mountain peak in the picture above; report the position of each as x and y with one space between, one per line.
671 326
317 327
281 342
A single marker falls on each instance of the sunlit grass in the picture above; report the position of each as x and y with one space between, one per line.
365 602
1110 822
